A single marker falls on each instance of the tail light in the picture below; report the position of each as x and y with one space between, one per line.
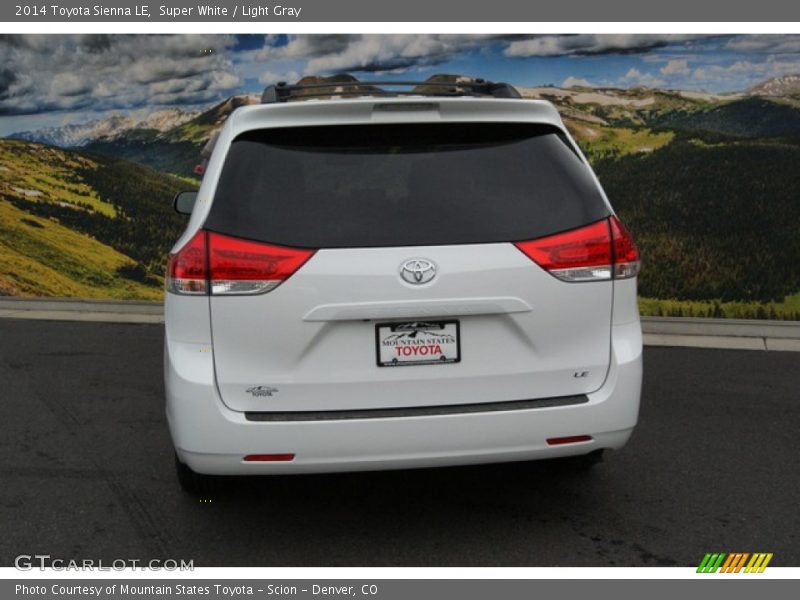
626 256
224 265
187 269
596 252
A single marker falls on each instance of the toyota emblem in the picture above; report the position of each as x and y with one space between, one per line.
417 270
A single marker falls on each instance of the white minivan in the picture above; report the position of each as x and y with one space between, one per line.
375 278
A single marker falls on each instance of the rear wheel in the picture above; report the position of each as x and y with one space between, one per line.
193 483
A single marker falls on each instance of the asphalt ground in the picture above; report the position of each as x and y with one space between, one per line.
86 472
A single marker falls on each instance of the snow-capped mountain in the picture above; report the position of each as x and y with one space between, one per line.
787 85
163 120
80 134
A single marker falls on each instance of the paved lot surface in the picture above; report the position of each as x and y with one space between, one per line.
86 472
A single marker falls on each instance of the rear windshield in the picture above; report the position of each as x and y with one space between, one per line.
402 185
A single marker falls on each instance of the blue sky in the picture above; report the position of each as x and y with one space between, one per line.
51 80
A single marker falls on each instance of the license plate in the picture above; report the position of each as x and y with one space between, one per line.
417 343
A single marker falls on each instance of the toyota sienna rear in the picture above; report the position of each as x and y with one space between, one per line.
390 280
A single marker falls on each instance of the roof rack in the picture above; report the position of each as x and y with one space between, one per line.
284 92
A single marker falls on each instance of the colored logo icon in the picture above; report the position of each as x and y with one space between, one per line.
735 562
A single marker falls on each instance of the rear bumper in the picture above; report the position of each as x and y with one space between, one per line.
212 439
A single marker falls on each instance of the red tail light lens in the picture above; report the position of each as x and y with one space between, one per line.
244 267
626 256
579 255
225 265
586 254
187 269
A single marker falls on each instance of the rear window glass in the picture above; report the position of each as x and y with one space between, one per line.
402 185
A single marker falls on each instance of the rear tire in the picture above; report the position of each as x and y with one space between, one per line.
193 483
584 462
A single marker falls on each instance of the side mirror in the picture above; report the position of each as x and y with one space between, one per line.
184 202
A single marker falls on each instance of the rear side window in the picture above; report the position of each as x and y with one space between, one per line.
402 185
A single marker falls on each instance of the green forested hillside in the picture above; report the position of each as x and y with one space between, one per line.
750 117
715 219
74 224
147 148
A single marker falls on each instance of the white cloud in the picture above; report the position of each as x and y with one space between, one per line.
765 43
41 73
748 72
636 78
304 46
562 45
68 84
716 72
375 53
66 72
676 67
575 82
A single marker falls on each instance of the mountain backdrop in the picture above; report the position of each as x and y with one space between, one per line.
112 127
709 184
